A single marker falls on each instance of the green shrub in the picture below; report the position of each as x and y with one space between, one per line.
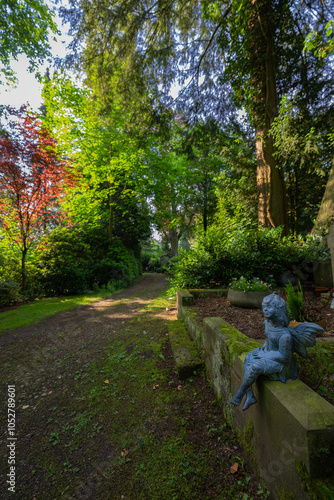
10 276
154 259
226 252
9 293
317 370
294 302
76 259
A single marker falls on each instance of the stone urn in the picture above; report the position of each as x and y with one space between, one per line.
250 300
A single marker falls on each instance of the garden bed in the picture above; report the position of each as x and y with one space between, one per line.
250 321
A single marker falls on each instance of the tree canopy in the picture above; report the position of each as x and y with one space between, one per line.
25 26
243 53
248 140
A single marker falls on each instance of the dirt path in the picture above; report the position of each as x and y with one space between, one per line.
100 413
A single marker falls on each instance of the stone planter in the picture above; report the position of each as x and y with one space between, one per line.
250 300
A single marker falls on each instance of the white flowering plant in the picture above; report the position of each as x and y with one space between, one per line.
254 285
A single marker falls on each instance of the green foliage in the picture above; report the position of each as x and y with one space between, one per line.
303 148
78 258
25 25
294 301
252 285
172 184
235 250
321 42
9 293
317 370
315 488
154 258
10 276
114 174
211 48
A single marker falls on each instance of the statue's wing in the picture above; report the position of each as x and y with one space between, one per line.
304 335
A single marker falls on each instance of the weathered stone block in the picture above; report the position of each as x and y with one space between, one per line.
186 356
183 298
194 330
221 343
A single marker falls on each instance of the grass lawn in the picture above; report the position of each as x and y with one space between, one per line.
33 312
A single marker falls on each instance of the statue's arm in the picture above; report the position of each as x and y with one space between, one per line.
284 350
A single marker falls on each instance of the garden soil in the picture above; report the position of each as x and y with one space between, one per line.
101 414
250 321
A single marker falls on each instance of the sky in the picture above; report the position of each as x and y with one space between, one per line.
28 88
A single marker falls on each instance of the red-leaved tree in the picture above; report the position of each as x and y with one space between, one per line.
32 180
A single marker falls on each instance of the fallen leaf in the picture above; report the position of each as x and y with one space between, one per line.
179 387
234 468
124 453
106 381
155 386
25 407
49 393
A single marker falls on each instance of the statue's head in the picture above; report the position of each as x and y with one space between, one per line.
280 315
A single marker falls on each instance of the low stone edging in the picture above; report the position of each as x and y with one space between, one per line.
185 353
289 433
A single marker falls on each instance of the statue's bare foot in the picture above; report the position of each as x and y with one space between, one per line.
236 400
249 401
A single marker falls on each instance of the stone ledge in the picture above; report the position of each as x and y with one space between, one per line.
186 356
290 425
291 422
185 298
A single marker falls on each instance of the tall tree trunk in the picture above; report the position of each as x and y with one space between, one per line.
23 269
272 208
205 206
174 237
174 241
111 217
325 215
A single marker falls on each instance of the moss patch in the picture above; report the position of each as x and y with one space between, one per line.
185 354
315 489
237 343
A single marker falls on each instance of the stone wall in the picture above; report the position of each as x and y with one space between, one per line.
290 428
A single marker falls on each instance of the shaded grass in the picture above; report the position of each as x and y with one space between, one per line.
33 312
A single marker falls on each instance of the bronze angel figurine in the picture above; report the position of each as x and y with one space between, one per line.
275 358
